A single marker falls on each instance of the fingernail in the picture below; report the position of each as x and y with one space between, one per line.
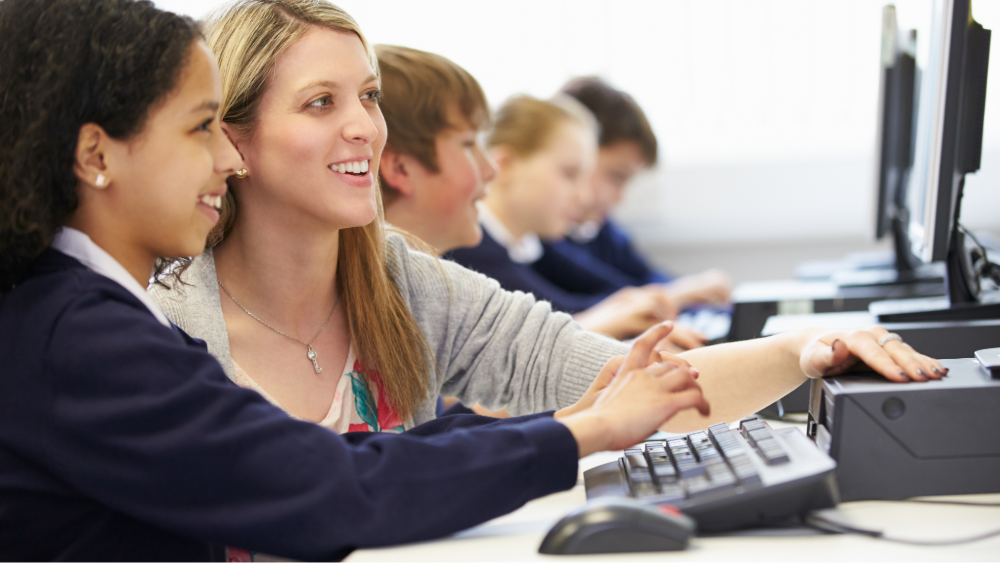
922 373
946 370
937 370
904 375
834 345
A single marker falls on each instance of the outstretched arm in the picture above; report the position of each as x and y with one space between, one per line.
743 377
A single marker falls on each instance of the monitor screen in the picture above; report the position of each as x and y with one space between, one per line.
922 197
949 121
895 121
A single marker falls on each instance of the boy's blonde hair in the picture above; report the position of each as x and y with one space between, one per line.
421 93
248 36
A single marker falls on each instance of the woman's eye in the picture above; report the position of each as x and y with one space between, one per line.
206 125
374 95
321 102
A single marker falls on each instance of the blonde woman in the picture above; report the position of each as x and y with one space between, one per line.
303 297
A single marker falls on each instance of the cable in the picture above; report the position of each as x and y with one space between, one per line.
829 526
982 264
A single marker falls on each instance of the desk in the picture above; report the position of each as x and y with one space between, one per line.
950 339
516 536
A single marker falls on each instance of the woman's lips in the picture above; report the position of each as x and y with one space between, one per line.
210 211
358 180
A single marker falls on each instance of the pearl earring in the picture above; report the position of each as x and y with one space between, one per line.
99 180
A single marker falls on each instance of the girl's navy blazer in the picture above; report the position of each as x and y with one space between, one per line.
121 439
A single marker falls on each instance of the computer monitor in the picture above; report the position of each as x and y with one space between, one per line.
895 135
949 135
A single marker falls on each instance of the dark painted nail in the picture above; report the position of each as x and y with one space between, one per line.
937 370
834 345
904 375
922 373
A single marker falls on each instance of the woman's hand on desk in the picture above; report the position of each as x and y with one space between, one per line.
836 352
631 401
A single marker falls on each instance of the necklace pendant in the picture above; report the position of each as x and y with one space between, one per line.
311 354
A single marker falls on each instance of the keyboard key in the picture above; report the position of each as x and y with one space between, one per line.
643 489
636 461
688 471
702 486
665 472
671 493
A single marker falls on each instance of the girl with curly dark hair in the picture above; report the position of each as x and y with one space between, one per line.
121 437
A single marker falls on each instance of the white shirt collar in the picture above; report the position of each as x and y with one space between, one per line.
525 250
78 245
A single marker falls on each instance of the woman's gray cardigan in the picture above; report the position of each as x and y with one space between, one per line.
492 346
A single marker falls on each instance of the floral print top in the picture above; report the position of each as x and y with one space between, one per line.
359 405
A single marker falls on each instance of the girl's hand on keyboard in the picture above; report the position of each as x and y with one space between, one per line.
836 352
639 398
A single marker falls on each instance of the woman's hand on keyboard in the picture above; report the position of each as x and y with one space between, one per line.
637 398
836 352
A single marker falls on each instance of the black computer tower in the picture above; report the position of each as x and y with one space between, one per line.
898 440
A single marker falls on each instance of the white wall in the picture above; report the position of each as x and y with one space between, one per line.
765 109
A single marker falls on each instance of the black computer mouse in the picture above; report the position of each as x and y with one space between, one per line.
617 525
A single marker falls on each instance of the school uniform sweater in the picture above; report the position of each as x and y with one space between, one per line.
495 347
614 247
122 439
598 267
493 259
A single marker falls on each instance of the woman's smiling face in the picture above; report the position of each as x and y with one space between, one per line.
314 151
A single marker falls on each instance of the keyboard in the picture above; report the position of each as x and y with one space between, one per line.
724 478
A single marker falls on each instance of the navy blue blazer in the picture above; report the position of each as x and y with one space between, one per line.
122 439
491 258
598 268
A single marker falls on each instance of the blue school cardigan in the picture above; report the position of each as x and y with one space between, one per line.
601 266
491 258
614 247
122 439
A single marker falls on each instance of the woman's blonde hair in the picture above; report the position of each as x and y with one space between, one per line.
526 124
247 37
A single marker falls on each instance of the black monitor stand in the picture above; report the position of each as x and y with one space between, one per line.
905 270
965 267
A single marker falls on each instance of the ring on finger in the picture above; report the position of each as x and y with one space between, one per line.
889 337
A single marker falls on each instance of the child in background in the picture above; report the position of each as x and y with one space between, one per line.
545 151
433 168
597 257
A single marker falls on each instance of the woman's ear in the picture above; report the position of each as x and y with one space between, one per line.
231 135
90 160
395 170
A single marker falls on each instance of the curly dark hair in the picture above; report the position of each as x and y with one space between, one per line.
64 63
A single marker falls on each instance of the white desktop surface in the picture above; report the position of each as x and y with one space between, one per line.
778 324
516 536
784 290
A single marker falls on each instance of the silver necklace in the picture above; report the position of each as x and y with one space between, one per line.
310 353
